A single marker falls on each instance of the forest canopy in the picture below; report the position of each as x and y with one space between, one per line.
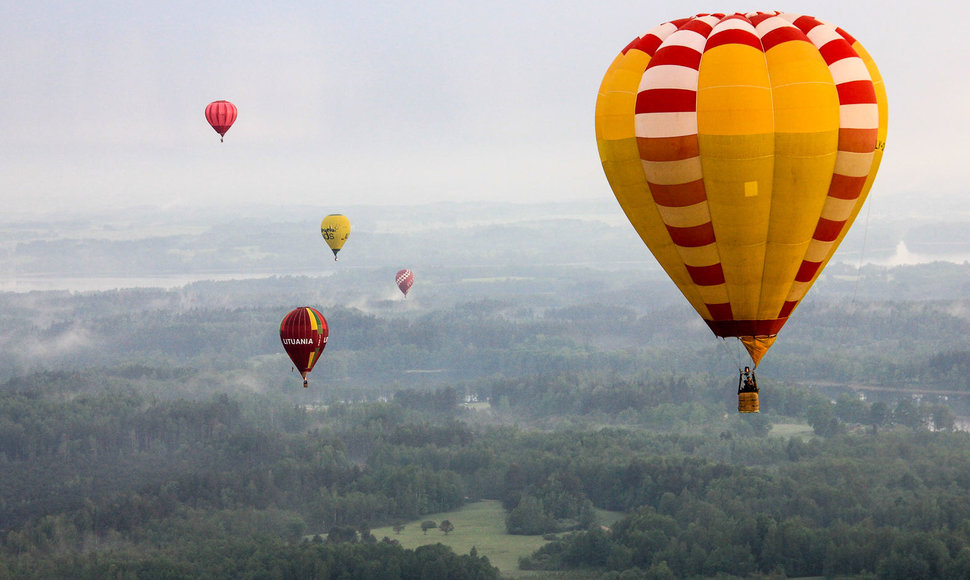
139 445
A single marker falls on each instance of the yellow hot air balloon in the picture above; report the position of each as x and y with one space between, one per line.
335 228
741 148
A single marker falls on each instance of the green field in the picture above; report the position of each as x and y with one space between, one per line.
480 525
800 430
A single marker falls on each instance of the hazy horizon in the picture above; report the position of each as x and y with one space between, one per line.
385 104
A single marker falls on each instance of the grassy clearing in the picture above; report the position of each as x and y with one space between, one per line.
480 525
800 430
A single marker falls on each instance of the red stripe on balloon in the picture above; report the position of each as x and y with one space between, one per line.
677 55
806 23
668 148
700 26
706 275
828 230
856 92
725 328
858 140
647 44
666 101
681 195
781 35
692 237
848 37
720 311
844 187
835 51
787 308
733 36
807 271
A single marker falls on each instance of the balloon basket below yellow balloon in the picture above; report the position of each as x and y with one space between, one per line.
748 403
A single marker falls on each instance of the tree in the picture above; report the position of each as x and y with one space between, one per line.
589 548
446 526
959 566
427 525
660 571
342 534
878 415
295 529
908 414
851 409
366 536
821 416
944 419
529 518
399 527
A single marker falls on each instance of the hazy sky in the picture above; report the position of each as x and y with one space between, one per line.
358 102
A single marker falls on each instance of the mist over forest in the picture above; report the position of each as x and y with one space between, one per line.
248 241
151 424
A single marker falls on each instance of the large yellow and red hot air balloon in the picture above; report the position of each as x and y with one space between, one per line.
304 332
742 147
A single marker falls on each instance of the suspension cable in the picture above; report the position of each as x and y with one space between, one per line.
853 299
732 355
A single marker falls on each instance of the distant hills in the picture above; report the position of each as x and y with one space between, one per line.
177 245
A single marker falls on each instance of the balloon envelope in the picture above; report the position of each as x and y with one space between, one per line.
404 279
221 115
335 229
742 147
304 334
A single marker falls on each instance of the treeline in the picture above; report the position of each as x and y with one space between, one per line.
850 412
126 480
231 559
121 484
380 347
118 462
365 353
892 506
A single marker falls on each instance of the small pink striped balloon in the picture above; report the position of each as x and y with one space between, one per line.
221 115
